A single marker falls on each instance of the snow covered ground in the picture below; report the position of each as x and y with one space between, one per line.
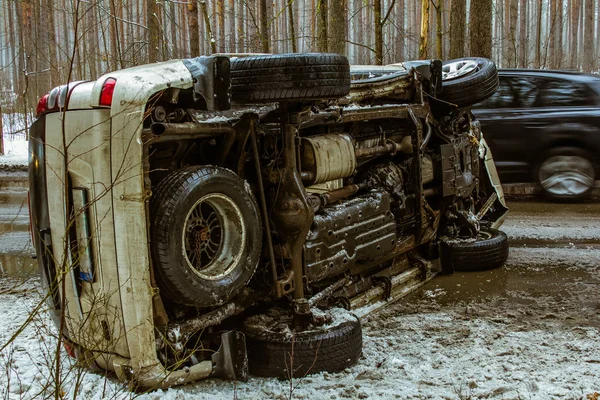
527 331
530 330
15 143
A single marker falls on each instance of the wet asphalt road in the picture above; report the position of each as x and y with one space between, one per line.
552 273
566 229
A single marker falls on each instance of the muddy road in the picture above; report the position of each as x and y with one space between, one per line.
529 330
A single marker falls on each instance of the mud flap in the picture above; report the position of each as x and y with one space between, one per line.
231 360
447 267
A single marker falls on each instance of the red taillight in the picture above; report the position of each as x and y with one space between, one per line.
107 92
42 106
69 348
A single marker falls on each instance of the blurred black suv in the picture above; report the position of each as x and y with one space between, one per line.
545 126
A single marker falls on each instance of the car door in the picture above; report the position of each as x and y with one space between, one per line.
566 112
504 124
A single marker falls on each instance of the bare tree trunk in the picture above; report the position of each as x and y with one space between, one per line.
439 28
552 36
506 37
52 56
15 55
221 12
480 27
173 25
290 13
239 27
233 11
66 40
114 36
423 43
588 38
378 26
153 30
1 134
211 38
322 25
523 37
194 33
446 24
337 27
94 44
25 11
264 26
184 43
559 26
538 36
120 31
138 13
575 7
512 26
401 31
81 42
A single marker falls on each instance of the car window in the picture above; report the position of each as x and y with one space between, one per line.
528 90
513 92
561 93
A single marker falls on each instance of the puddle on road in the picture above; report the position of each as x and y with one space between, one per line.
17 266
557 289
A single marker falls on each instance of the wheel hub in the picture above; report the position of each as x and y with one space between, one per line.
213 236
458 69
566 175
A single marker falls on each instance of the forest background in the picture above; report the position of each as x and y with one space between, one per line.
41 39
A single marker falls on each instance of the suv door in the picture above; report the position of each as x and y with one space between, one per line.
504 124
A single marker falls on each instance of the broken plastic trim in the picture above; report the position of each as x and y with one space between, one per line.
211 80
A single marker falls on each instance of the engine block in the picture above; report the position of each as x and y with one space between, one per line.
349 233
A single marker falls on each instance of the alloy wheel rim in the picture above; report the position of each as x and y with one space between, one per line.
213 236
458 69
566 175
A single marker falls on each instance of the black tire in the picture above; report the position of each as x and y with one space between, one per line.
184 201
489 251
566 174
283 354
474 87
289 77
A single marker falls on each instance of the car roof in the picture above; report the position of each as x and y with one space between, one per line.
548 73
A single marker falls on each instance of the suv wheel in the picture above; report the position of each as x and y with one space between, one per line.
289 77
275 350
488 251
467 81
566 174
206 235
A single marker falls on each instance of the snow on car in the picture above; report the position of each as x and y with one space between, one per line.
216 216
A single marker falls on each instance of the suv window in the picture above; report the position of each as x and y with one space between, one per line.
561 93
513 92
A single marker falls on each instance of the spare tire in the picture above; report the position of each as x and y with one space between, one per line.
467 81
488 251
275 350
206 235
289 77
